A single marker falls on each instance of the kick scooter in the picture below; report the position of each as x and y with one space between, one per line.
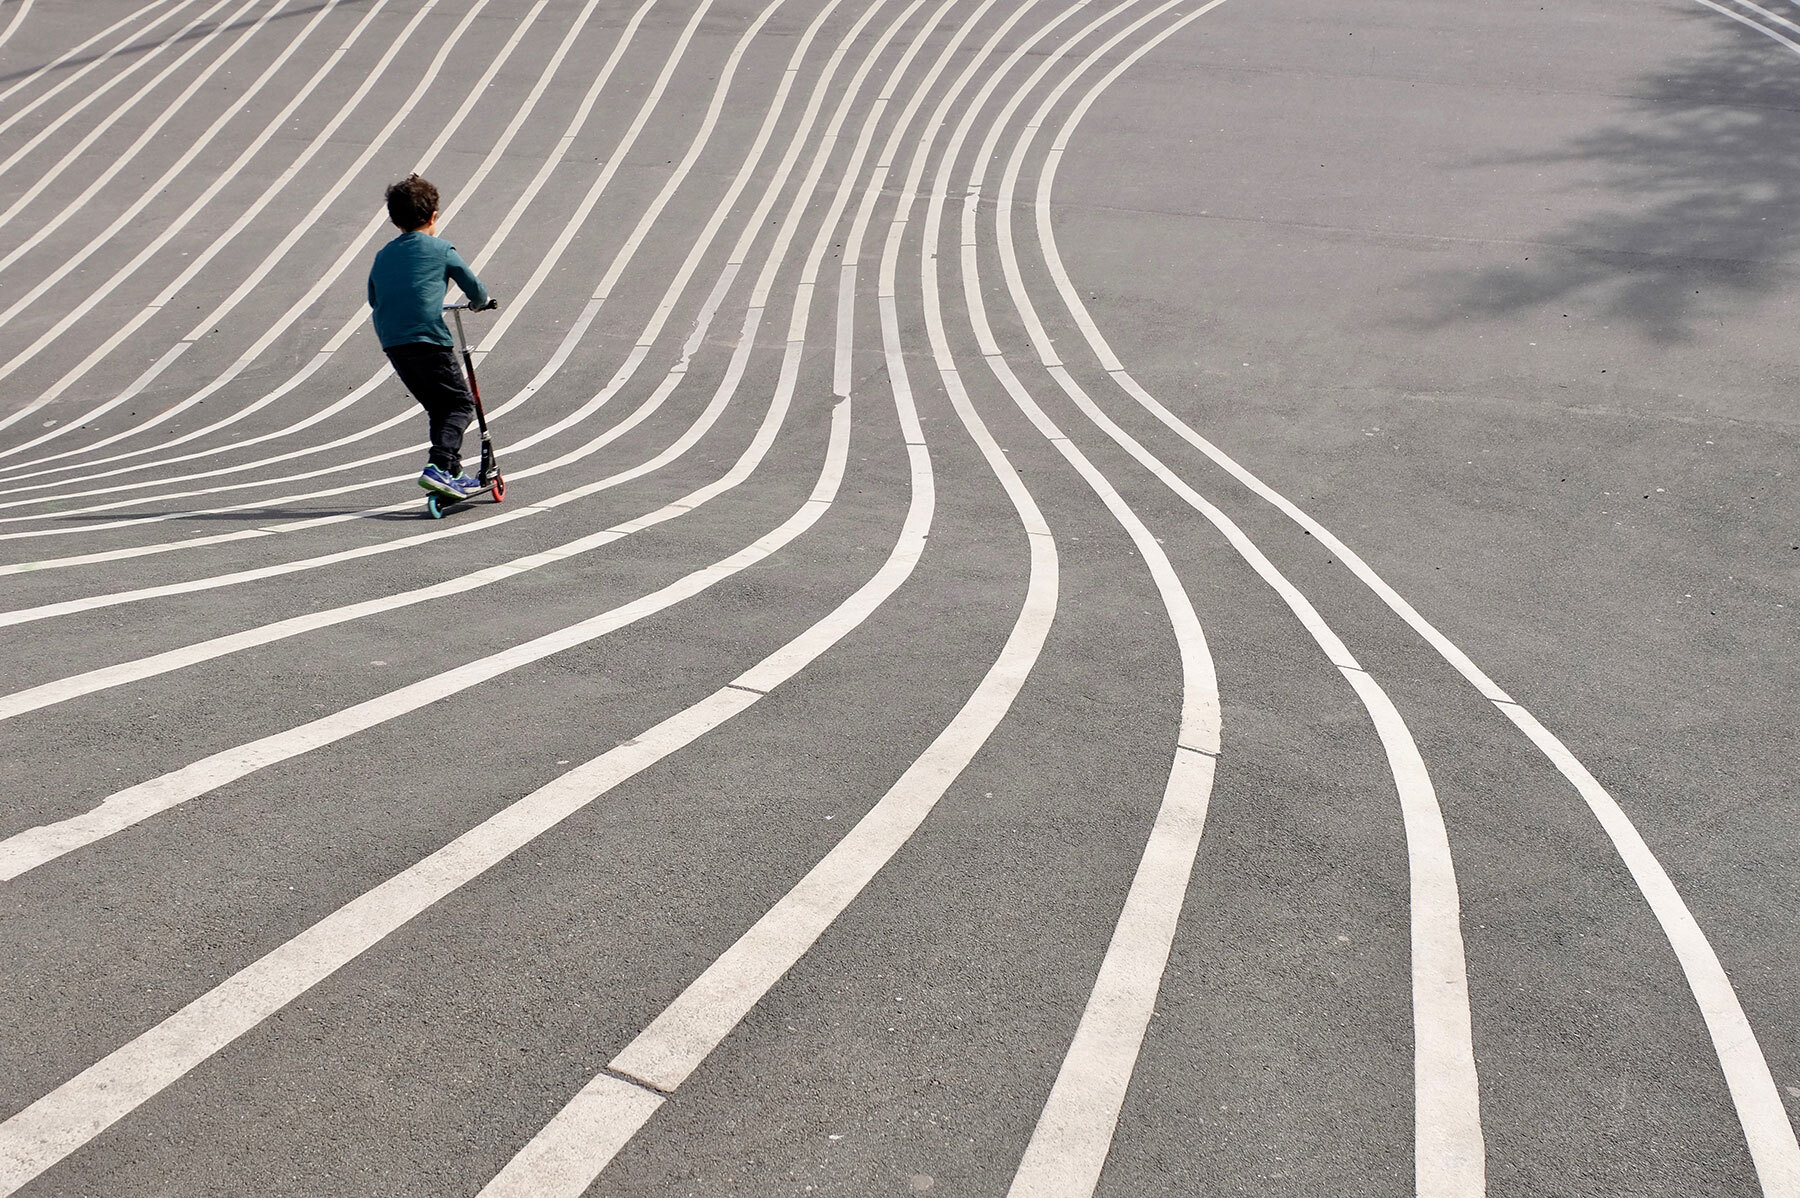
490 478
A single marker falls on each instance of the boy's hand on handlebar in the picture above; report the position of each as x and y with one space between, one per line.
493 305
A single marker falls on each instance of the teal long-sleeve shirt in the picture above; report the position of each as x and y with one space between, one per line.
407 284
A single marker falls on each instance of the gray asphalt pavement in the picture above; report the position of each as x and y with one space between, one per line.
1102 598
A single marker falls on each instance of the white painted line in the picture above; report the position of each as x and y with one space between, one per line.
93 96
356 322
586 1134
39 845
550 257
1449 1146
36 846
475 94
676 1042
78 1110
519 301
841 359
749 231
694 340
591 312
1449 1153
1074 1133
285 243
42 228
103 1094
1775 17
751 228
603 1117
94 64
1767 1130
165 459
92 681
24 7
123 673
680 1037
48 175
151 191
1072 1139
443 138
1774 34
62 1121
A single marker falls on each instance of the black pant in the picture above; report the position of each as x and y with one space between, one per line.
435 378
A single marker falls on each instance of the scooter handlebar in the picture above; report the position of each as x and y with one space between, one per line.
492 305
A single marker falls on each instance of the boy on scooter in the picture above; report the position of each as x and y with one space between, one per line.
407 284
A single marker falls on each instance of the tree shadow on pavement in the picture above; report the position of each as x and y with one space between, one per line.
1702 187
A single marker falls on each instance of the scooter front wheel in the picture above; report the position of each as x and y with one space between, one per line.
499 489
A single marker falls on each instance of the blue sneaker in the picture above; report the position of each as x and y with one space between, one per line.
434 478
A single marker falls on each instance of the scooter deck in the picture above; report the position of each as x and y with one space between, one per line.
436 505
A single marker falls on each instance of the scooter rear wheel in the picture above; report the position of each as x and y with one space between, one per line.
433 508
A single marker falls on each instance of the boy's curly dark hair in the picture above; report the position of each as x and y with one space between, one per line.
411 203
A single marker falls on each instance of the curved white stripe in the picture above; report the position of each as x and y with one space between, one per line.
104 678
671 295
354 249
519 303
118 113
1070 1142
475 94
18 20
753 157
152 191
36 846
27 850
575 332
579 326
1072 1137
63 1120
69 1116
374 224
270 261
1450 1158
577 329
1741 19
34 698
674 1044
579 1142
69 55
1759 10
119 160
131 41
1767 1130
